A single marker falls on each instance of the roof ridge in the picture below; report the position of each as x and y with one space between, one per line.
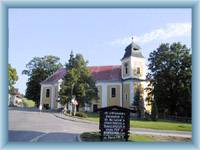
52 75
101 73
105 66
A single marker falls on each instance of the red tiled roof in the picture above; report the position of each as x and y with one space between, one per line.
59 74
99 73
106 73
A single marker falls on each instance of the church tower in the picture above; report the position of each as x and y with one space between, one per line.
133 63
133 73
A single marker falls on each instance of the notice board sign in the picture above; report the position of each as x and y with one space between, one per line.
114 123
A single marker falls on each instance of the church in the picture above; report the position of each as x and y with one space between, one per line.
116 84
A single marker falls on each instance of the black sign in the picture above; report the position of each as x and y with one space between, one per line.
114 123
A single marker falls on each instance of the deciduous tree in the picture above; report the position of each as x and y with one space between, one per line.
38 69
12 78
170 74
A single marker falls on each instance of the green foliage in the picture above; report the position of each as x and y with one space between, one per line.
139 102
170 74
38 69
78 81
154 111
81 114
28 102
12 77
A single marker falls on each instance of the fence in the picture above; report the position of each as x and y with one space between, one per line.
163 117
175 118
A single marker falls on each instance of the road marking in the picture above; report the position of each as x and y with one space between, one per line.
78 138
35 139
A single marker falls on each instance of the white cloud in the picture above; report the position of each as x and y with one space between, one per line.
171 30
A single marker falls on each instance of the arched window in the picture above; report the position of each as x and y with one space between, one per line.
126 96
138 70
47 92
126 68
113 92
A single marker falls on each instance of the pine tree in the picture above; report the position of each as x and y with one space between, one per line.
77 82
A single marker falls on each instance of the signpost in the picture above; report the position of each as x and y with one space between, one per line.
114 123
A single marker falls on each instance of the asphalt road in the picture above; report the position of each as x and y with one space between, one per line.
34 126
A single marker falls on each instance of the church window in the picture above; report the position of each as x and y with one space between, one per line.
47 92
126 68
126 96
113 92
138 70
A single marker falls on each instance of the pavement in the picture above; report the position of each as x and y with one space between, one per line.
34 126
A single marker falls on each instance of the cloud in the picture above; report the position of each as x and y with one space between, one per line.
171 30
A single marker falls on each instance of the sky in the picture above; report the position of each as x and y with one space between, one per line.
100 35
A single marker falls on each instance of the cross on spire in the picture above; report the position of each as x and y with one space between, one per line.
132 38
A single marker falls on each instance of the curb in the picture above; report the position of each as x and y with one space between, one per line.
73 119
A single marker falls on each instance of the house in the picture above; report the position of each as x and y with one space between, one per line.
116 84
14 98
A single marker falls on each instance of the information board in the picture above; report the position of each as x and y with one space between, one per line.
114 123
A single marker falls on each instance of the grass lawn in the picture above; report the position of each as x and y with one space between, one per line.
159 125
93 117
95 137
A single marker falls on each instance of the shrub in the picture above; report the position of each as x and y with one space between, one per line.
28 103
81 114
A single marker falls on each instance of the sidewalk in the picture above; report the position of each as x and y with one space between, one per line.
185 134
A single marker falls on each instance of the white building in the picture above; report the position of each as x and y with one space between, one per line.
116 84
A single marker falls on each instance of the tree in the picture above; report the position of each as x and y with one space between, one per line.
38 69
12 78
154 111
77 82
170 74
139 102
152 102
